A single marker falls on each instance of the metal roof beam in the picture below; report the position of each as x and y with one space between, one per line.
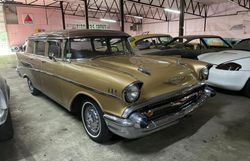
242 3
192 7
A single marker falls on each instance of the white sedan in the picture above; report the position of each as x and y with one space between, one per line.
231 68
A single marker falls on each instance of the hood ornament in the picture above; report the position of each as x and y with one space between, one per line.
143 70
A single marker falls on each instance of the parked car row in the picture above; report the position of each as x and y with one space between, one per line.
230 64
231 68
96 74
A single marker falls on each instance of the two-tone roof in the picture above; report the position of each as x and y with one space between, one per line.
80 33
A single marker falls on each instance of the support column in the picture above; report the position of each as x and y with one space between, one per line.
181 20
122 15
63 17
205 19
86 13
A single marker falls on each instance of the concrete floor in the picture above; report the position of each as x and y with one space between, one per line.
44 131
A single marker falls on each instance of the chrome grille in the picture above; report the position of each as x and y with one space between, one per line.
172 105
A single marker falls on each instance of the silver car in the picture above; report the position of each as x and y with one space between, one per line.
6 130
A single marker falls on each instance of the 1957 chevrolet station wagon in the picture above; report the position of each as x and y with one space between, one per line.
96 74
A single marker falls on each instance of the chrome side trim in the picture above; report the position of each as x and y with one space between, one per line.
139 105
73 82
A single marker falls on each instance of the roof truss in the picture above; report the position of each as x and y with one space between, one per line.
149 9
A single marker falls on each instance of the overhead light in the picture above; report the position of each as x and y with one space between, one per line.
138 17
172 11
108 20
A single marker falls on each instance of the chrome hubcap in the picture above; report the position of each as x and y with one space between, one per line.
91 118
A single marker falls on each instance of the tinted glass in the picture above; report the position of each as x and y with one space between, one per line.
151 41
215 42
165 39
55 48
243 45
40 48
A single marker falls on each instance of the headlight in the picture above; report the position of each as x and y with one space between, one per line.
229 66
204 72
132 92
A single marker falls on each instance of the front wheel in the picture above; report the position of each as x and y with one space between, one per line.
32 89
246 89
94 123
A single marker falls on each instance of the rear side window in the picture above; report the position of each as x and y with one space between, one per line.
30 46
40 48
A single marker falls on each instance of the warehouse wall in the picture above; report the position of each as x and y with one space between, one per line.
237 25
47 20
234 26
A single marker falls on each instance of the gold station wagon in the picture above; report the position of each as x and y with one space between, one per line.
95 73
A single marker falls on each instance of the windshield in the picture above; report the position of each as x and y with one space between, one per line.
243 45
215 42
86 48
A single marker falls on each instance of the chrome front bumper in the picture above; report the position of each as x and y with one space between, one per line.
136 124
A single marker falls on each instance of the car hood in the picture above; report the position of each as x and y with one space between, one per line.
159 75
223 56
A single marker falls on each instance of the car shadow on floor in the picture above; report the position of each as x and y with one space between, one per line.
10 150
164 138
186 128
149 144
228 92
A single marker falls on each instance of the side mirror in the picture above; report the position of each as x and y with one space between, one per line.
52 57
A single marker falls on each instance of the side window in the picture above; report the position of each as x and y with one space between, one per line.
100 44
40 48
195 44
144 41
55 48
80 48
165 39
30 47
